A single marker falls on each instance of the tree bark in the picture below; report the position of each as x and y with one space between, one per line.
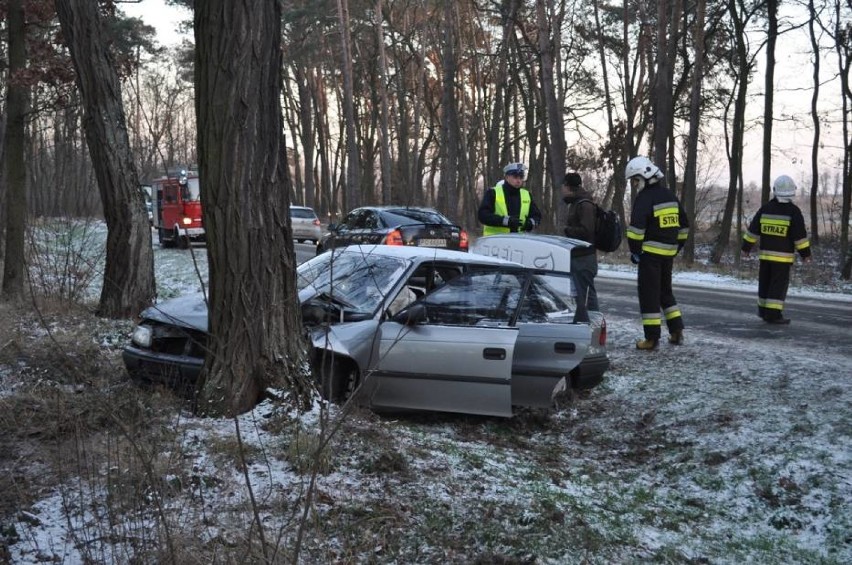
663 110
16 173
556 128
384 123
447 191
689 177
352 197
768 98
254 323
743 68
129 272
814 193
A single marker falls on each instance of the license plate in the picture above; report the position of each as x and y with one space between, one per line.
432 243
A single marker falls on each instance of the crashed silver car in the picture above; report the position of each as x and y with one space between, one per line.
410 328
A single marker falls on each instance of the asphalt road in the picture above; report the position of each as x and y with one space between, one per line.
827 323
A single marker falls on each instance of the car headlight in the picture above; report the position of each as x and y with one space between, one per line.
142 336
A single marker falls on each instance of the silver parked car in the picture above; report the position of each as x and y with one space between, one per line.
409 328
305 224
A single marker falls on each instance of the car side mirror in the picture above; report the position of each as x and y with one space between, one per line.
411 316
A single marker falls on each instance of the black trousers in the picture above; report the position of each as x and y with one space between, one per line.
772 284
656 298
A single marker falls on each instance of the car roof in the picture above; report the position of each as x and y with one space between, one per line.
537 251
398 207
300 207
433 253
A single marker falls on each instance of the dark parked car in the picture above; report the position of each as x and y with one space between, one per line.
394 225
410 328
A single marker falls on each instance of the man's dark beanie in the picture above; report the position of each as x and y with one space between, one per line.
573 179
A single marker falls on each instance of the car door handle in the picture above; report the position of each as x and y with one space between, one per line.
564 347
494 353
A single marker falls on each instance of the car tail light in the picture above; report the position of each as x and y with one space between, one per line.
463 240
602 338
394 238
316 221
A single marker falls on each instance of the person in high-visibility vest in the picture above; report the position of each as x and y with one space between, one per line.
509 207
780 227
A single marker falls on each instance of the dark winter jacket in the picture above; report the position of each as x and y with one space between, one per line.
581 220
781 230
658 223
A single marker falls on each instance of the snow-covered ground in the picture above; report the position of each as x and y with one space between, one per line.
718 451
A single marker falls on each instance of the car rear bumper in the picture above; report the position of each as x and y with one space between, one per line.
161 368
307 233
589 373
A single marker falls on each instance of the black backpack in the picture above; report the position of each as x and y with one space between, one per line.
608 229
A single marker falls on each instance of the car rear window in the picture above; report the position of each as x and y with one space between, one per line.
405 215
302 213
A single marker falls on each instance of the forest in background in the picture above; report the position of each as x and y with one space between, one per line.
433 98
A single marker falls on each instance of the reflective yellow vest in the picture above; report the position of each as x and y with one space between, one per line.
500 209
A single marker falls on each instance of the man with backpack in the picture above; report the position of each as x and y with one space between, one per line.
658 230
581 223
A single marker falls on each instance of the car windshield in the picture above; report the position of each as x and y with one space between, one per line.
402 216
359 279
191 192
302 213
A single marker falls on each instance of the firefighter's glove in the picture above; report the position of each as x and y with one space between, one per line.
512 222
634 258
529 224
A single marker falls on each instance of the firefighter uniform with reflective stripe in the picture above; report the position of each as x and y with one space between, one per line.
780 227
505 200
658 230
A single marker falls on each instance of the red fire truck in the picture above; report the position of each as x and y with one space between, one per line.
177 208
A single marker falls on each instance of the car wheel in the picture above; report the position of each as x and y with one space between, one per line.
339 378
182 241
301 240
164 241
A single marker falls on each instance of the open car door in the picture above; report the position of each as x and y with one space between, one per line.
485 341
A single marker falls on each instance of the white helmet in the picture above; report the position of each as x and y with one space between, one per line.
514 168
643 167
784 188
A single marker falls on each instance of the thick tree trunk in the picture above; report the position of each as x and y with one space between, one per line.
254 322
16 173
129 273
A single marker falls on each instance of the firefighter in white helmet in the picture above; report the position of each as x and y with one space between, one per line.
780 227
658 230
509 207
